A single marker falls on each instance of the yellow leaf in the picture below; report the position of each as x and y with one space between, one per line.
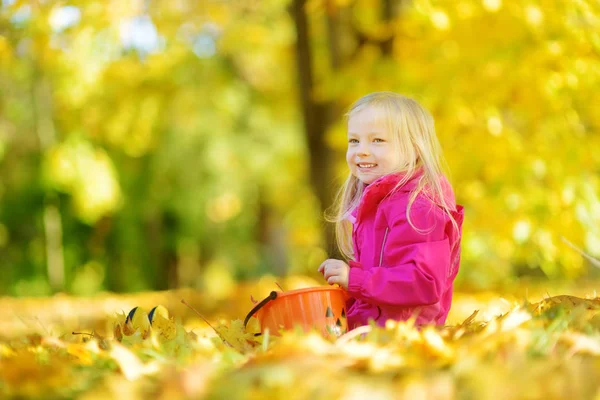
253 325
435 343
6 351
164 328
236 336
139 321
158 310
118 332
131 366
81 352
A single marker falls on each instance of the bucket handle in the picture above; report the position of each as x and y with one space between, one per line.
271 296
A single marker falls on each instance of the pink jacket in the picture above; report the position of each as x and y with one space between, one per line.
399 272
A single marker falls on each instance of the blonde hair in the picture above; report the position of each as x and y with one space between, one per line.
414 136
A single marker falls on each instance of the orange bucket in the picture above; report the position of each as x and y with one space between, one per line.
322 308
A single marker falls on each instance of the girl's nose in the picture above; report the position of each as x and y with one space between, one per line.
363 150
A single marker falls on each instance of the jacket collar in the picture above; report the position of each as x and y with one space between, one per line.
388 182
379 189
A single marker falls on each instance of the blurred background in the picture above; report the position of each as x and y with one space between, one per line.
150 145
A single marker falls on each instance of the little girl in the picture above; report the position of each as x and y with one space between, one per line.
397 221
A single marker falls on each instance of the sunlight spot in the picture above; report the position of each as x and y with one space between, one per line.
62 18
534 15
97 192
592 243
494 125
140 33
539 168
22 15
88 174
521 231
204 46
224 207
440 20
475 247
492 5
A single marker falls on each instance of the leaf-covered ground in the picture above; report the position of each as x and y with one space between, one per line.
494 346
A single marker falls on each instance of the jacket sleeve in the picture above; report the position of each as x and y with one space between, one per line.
414 265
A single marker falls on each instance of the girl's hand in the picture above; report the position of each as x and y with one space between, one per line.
335 271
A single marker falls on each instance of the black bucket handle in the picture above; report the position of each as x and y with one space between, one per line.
271 296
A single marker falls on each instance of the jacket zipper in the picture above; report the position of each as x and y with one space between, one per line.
381 262
383 246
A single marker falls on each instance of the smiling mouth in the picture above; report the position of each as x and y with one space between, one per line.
366 165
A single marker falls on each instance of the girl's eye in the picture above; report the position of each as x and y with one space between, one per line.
378 140
352 141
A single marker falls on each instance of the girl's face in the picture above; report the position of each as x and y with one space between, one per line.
371 151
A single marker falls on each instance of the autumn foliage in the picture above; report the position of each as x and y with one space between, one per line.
510 356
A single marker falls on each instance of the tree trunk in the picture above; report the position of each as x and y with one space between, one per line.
387 13
52 219
316 120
